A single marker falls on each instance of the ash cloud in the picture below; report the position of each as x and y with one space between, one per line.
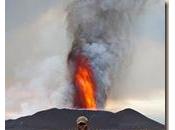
100 30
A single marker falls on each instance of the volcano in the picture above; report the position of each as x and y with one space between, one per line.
65 119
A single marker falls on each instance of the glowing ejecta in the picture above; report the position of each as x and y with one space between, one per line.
84 83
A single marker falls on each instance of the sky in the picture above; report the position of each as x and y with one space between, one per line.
37 46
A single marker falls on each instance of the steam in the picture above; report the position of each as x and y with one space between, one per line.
100 30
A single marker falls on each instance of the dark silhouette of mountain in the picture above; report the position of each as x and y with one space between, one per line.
65 119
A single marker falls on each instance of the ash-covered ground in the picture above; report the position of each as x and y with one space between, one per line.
65 119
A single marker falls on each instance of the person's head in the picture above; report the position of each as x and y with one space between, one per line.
82 123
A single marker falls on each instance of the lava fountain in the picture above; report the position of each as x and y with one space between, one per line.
85 85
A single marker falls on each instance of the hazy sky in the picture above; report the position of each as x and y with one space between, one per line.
36 51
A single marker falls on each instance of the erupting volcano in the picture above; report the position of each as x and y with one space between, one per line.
84 83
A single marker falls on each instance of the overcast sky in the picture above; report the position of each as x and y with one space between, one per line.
36 51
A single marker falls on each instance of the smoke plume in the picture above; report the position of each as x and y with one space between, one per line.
99 30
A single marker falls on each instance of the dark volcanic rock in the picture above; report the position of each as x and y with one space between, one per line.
65 119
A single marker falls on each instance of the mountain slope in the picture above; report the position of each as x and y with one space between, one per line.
64 119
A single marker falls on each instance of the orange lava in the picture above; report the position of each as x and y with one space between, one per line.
84 84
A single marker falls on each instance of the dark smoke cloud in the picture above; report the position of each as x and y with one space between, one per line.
100 30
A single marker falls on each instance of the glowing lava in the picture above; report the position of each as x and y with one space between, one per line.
84 84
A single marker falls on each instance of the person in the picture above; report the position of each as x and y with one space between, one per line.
82 123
